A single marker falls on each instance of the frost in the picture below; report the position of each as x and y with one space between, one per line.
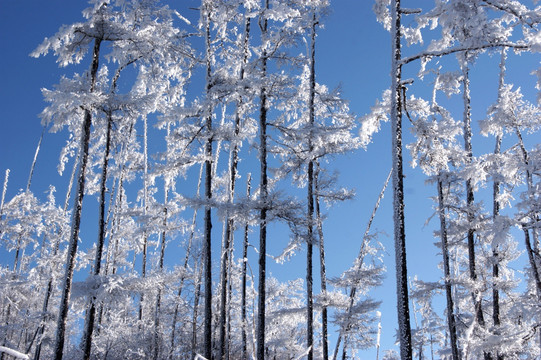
371 123
16 354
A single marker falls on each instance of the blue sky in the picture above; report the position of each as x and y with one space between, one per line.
352 51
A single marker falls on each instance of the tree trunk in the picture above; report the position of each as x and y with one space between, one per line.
145 211
208 195
451 323
243 276
263 193
76 217
4 189
32 167
496 214
197 296
404 328
470 197
533 252
91 310
533 264
359 261
185 266
310 199
160 267
49 291
323 273
232 179
476 295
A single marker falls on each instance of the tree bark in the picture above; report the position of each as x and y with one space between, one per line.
208 195
76 217
495 213
263 193
469 196
160 267
243 275
91 311
360 261
185 266
49 291
197 296
323 272
451 322
310 199
404 328
145 209
232 179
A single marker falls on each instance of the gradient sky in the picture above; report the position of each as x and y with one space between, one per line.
352 51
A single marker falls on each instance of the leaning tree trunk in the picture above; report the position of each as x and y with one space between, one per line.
533 251
91 311
532 254
49 289
451 322
359 262
33 166
76 216
263 193
404 328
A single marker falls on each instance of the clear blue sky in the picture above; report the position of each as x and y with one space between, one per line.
353 50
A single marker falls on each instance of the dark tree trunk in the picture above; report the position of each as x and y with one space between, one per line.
232 179
160 267
323 272
91 311
470 197
495 213
145 210
310 200
208 195
404 328
49 291
185 267
262 196
476 295
76 217
244 265
451 323
197 296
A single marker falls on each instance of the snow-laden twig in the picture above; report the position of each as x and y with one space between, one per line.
304 353
14 353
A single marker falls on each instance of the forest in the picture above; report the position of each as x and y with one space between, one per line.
201 173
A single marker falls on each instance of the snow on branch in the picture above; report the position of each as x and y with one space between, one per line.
439 53
14 353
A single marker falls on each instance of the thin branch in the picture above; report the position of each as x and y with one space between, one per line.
439 53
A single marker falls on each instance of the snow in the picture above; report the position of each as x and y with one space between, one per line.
14 353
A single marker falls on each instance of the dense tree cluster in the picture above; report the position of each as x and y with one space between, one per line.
191 134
